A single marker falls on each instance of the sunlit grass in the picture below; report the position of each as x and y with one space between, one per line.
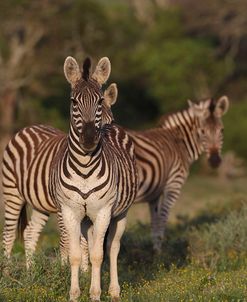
204 257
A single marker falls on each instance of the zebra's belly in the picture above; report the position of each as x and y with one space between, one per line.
150 189
41 203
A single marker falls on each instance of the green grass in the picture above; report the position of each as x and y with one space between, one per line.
204 256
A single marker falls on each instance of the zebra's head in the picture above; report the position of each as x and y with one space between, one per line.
86 100
210 126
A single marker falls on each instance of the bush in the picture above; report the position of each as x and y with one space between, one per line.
214 244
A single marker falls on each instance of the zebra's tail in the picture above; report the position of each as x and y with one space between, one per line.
22 222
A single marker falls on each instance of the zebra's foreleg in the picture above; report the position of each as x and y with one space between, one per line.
31 234
116 230
72 222
100 226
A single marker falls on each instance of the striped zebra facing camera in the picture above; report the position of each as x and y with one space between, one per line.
91 172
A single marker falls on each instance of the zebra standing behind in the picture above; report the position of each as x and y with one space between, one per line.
90 172
164 156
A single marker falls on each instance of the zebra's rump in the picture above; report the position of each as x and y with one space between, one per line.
26 164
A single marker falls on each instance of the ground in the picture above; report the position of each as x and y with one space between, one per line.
204 254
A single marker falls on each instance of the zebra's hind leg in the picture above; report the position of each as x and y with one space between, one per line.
13 204
84 254
64 240
31 234
86 242
156 232
166 201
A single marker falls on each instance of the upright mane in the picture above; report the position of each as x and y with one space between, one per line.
86 69
172 120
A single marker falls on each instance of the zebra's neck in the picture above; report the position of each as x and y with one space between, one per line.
185 126
76 156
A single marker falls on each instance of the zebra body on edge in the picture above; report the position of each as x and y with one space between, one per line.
26 168
164 156
91 172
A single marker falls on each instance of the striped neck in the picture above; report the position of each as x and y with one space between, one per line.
185 125
76 155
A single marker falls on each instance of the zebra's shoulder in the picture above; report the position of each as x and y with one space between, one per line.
119 137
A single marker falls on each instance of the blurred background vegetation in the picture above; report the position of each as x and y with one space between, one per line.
162 52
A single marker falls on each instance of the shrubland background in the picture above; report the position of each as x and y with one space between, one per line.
163 52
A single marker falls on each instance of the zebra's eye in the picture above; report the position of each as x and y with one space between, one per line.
101 101
202 131
74 102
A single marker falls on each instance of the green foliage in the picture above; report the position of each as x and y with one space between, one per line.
161 56
178 66
176 275
213 244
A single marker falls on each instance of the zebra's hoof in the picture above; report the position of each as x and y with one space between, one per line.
73 299
74 295
115 299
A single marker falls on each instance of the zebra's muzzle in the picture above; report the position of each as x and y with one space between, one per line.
214 159
89 138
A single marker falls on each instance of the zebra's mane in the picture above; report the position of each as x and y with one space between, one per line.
185 116
86 69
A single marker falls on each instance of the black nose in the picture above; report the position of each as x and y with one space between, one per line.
88 138
88 130
214 160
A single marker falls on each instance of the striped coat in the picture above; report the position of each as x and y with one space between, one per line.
164 156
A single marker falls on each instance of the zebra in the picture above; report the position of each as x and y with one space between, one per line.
91 172
164 155
15 210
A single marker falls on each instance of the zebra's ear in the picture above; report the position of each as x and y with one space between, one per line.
102 71
190 103
110 95
222 106
71 71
